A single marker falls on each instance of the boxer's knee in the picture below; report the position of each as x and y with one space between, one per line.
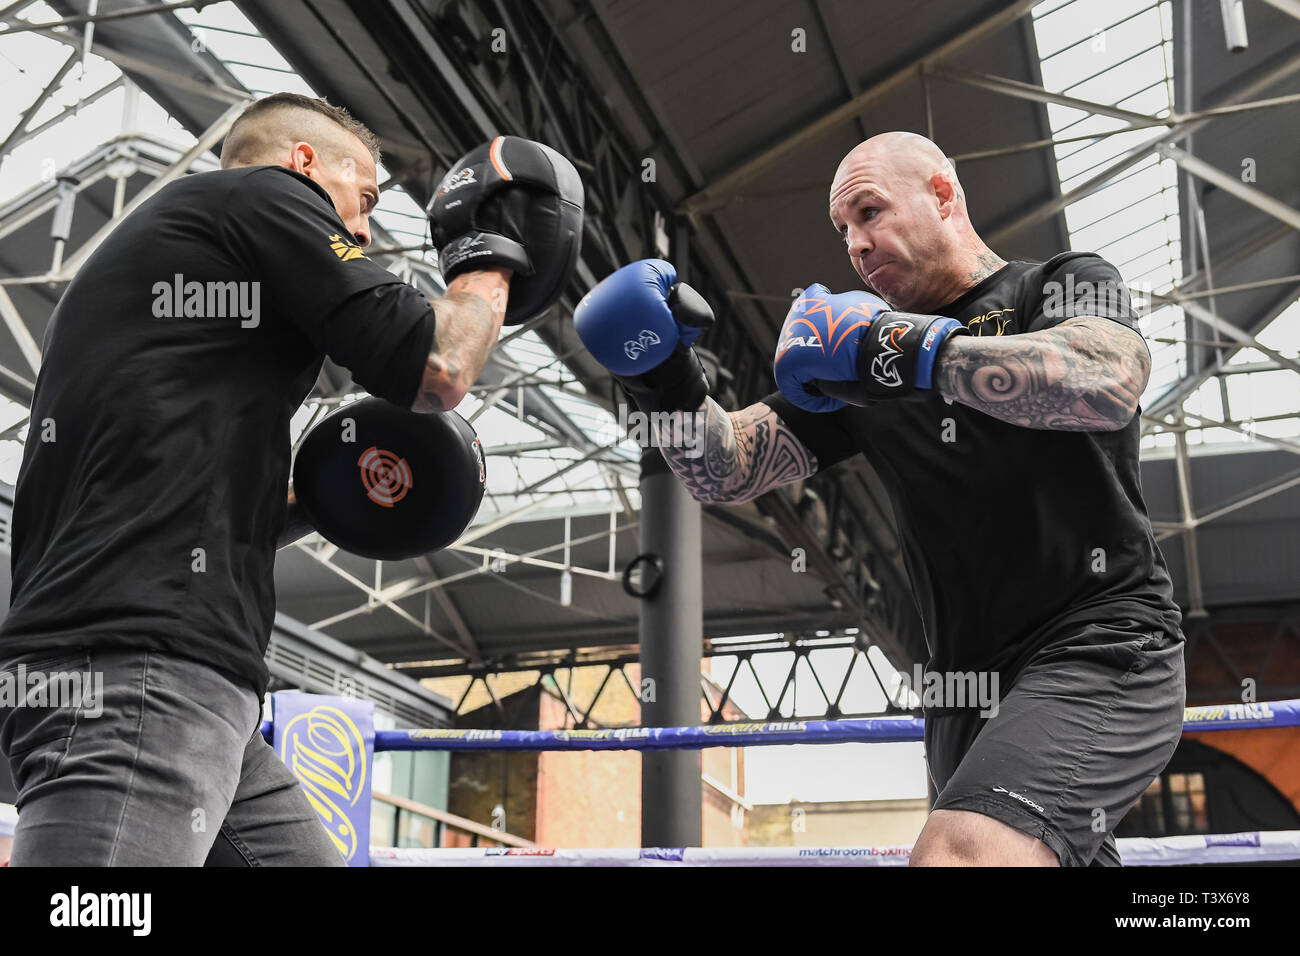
966 838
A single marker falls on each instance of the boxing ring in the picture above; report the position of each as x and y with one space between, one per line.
330 743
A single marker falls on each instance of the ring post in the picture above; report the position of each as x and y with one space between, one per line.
672 636
329 745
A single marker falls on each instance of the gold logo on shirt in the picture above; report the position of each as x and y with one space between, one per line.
998 319
346 249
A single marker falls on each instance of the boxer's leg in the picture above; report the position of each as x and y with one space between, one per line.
1088 724
145 782
953 837
270 822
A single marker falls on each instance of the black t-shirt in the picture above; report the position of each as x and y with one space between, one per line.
153 480
1010 535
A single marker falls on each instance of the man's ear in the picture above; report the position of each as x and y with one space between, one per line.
945 193
302 158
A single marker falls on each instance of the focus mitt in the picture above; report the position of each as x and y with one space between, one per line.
384 482
514 204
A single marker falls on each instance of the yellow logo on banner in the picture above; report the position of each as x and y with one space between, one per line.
327 753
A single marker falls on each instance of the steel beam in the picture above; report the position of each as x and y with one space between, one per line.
93 18
18 328
1175 298
206 141
719 192
17 139
1287 66
50 86
1179 391
1232 185
1230 331
1037 94
1244 500
1191 547
1202 421
132 64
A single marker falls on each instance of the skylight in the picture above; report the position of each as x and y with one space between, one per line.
1121 54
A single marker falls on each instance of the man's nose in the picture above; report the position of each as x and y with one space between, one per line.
859 243
362 236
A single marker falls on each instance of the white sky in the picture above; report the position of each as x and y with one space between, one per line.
1128 65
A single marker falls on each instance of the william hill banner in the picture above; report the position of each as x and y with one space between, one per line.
329 744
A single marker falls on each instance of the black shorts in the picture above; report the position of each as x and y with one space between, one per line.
1090 720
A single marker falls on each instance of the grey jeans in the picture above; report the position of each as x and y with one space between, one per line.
172 771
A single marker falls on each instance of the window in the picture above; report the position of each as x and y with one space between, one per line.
1175 803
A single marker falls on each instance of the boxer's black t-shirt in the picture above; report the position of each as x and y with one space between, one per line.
153 480
1010 535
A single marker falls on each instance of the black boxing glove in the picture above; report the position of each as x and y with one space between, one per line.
514 204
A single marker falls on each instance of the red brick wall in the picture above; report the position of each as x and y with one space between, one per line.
1271 753
581 798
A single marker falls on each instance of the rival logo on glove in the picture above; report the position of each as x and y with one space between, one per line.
882 366
802 341
634 348
454 180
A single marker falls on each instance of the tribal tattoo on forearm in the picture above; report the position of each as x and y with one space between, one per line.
744 455
1086 374
467 323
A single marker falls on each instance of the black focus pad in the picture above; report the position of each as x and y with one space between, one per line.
384 482
508 196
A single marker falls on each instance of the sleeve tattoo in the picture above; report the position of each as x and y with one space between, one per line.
744 455
462 340
1086 374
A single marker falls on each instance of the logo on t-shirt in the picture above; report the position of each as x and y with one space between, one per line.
997 320
346 249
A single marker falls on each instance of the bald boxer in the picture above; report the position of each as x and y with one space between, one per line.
998 402
153 485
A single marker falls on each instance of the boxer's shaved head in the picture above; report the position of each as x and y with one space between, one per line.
266 131
320 141
898 204
907 156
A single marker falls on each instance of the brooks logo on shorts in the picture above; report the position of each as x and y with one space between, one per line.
1025 800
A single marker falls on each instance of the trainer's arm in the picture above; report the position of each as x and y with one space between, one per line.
743 455
469 320
1085 374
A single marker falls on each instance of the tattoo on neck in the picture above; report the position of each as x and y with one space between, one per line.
985 266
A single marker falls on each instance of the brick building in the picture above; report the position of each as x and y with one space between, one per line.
578 798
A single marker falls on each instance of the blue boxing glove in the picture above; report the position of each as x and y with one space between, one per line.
640 323
850 349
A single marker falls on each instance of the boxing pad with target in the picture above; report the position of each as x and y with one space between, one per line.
384 482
